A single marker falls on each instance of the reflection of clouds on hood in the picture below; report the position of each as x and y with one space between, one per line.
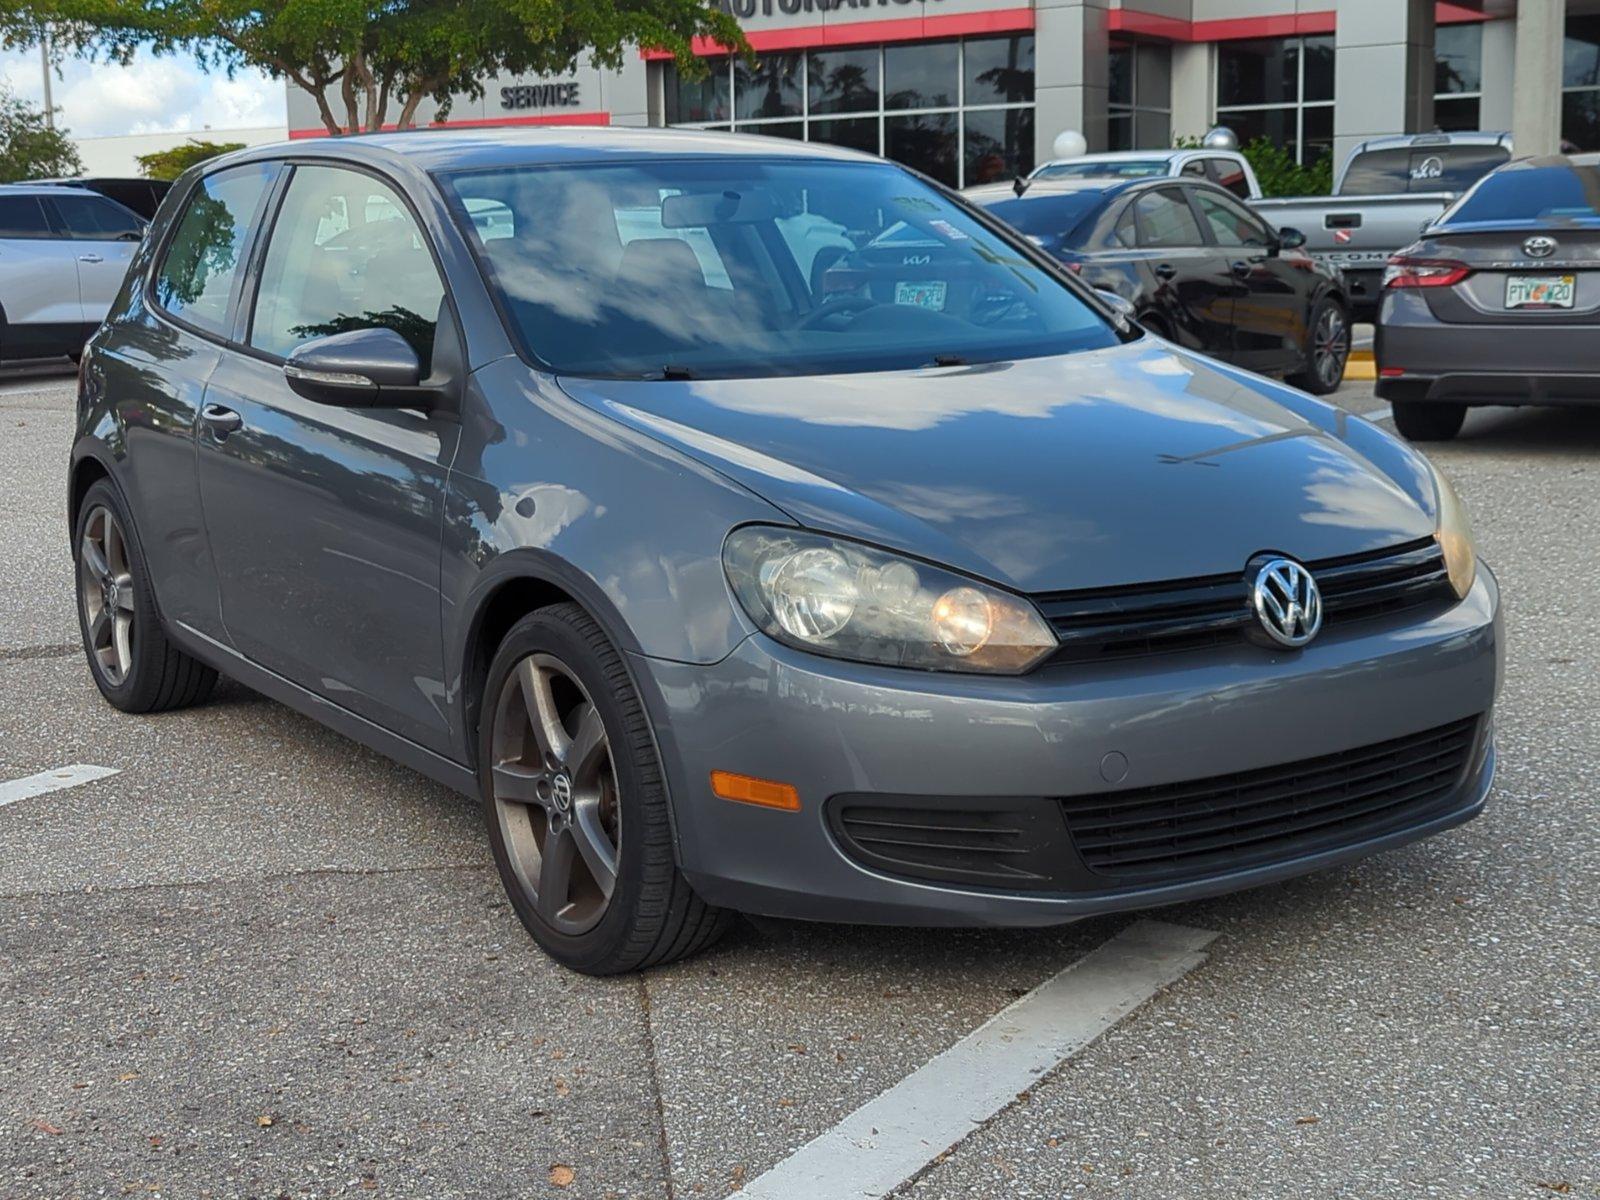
1339 492
1155 382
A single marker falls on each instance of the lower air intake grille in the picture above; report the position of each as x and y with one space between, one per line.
1182 829
1011 842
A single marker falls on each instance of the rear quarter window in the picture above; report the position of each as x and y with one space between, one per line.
23 217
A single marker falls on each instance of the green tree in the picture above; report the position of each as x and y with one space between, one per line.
29 148
369 63
169 164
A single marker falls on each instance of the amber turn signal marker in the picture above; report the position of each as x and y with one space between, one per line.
749 790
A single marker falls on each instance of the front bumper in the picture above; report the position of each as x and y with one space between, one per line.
833 729
1522 363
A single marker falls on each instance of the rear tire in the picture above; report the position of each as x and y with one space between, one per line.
576 805
134 665
1327 349
1420 421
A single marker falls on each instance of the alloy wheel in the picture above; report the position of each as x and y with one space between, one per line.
105 590
555 794
1330 347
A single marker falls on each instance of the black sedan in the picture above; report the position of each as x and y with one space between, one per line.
1498 302
1200 269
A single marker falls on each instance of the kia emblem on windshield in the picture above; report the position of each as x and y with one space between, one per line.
1539 246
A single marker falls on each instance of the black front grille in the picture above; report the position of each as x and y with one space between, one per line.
1229 821
1197 613
1006 842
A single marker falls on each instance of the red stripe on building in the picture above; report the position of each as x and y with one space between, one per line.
1176 29
578 118
862 33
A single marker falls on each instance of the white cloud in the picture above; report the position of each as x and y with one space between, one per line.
151 95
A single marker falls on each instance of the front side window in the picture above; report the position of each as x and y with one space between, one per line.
197 272
752 268
1231 224
1166 221
346 254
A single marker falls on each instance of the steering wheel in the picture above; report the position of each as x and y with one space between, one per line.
832 308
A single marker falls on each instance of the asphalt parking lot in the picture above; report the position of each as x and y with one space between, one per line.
260 961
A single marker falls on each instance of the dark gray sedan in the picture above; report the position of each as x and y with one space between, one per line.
740 550
1499 302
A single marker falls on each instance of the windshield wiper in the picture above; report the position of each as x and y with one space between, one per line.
950 360
670 371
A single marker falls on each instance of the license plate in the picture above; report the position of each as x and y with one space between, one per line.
924 294
1541 291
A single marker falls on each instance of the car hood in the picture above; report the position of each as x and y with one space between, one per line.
1128 465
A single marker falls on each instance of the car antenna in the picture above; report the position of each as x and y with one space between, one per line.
1019 185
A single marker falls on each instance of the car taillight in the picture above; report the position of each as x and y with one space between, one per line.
1403 272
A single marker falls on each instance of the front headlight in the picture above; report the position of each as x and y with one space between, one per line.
847 600
1455 537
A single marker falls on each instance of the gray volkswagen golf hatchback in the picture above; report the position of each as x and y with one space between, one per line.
757 526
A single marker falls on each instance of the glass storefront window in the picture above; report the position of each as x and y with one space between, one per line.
1258 72
858 133
921 75
925 142
1139 109
1580 77
841 81
772 89
998 142
960 111
1280 89
1458 76
695 100
998 71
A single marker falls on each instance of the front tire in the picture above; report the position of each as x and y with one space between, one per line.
1327 351
1420 421
576 806
134 665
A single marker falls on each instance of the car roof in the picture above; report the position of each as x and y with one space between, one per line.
456 149
1422 141
44 189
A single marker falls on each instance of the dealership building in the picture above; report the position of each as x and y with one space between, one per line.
975 90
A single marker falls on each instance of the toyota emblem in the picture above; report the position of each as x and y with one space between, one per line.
1539 246
1286 602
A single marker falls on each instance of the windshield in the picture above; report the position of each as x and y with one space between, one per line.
1142 168
667 268
1420 169
1048 220
1531 195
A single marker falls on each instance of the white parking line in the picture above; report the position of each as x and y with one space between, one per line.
889 1139
1379 414
51 781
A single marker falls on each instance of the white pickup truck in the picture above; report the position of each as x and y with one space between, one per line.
1226 167
1386 191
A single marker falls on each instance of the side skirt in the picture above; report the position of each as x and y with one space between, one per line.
341 720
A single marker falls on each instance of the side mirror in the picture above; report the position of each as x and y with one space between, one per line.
1122 306
362 368
1290 239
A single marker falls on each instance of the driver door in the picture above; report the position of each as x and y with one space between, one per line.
1269 293
325 522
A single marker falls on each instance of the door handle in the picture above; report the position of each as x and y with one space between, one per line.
90 258
221 421
1166 271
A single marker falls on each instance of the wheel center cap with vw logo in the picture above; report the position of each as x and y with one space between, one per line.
1286 601
561 791
1539 246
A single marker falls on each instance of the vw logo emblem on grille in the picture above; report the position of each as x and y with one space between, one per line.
1286 602
1539 246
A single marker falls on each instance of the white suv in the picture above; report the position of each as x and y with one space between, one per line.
63 253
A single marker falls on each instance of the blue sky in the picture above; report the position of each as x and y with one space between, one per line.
150 95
